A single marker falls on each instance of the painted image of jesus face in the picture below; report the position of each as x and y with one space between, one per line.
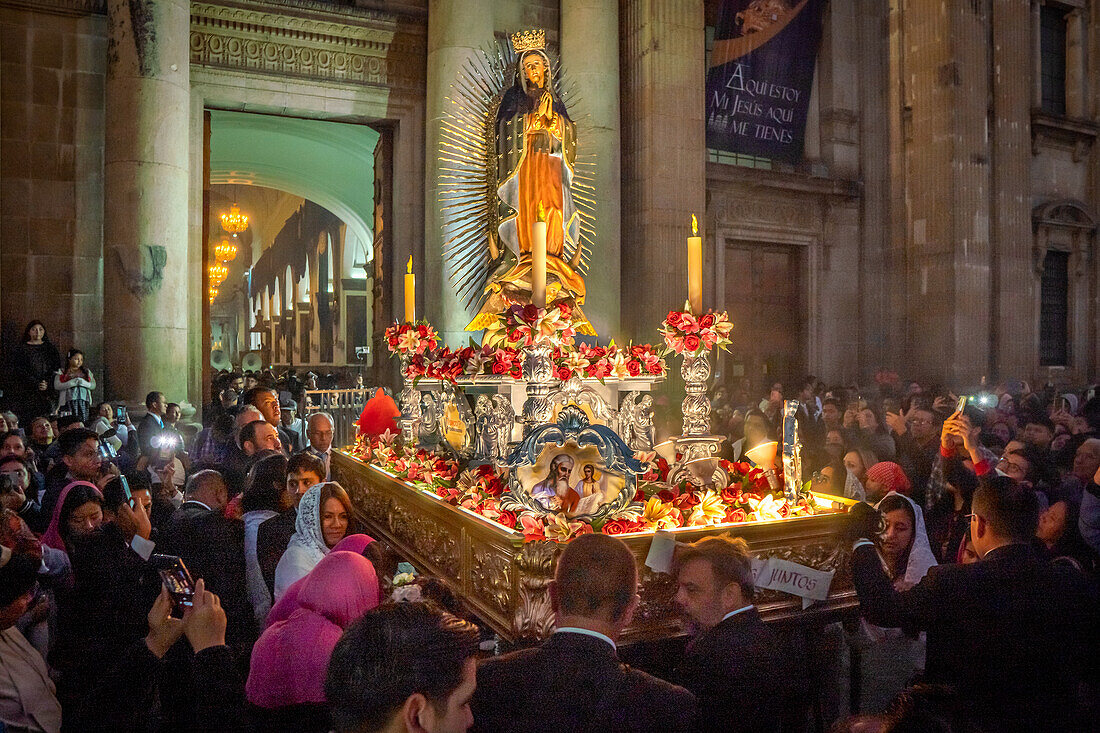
534 68
761 15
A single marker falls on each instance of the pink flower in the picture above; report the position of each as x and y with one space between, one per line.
531 527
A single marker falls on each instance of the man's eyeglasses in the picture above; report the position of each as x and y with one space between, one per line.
916 421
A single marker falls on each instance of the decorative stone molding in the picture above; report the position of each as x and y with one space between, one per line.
306 39
1065 216
790 214
59 7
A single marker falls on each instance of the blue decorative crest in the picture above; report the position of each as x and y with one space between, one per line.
573 427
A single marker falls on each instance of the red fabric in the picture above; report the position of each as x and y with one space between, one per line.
891 476
289 602
290 660
982 467
379 415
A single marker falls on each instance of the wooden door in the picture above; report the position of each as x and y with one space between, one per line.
764 298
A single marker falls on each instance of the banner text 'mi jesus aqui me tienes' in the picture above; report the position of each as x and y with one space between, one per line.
760 75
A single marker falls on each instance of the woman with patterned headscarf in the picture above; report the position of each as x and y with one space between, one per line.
323 517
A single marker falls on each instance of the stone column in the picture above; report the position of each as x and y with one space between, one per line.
590 55
1015 347
456 29
663 156
1076 101
146 280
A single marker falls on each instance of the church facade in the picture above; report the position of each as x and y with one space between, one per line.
941 224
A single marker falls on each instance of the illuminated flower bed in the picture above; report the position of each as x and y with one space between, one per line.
656 504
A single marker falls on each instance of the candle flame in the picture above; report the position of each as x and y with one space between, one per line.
410 268
541 215
694 226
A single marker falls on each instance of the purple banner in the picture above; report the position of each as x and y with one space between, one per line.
760 75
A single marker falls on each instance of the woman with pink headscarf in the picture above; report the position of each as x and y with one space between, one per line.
286 681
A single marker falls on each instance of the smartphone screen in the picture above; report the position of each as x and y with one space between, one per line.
177 580
962 404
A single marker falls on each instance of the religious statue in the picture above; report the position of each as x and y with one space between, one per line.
484 431
504 419
636 421
530 156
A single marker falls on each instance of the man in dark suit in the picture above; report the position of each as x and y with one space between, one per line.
212 547
739 669
575 681
1014 634
153 423
319 429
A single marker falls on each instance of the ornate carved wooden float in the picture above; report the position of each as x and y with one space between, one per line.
503 579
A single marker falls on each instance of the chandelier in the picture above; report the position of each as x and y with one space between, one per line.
218 273
226 251
213 293
234 222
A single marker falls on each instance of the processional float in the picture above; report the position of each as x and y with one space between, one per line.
510 448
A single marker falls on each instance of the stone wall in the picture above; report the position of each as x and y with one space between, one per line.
51 164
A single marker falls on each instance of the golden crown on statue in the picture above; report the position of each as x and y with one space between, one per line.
529 41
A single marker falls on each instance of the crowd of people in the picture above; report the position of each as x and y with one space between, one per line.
148 582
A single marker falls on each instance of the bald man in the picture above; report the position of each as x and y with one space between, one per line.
212 547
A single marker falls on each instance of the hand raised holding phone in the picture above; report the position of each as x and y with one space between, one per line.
205 621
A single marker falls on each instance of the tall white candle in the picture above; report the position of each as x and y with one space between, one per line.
538 259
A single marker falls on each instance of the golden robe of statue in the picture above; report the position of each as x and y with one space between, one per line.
536 149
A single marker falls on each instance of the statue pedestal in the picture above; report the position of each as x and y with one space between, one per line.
600 400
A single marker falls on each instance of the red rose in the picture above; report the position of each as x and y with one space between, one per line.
735 515
686 501
691 342
666 495
674 318
732 494
707 320
422 331
530 313
508 519
639 495
634 368
499 367
616 526
564 373
516 371
745 468
784 511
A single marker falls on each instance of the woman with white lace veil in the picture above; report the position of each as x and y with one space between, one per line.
323 517
890 658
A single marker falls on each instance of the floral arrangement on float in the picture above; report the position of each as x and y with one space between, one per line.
655 504
686 334
502 354
411 339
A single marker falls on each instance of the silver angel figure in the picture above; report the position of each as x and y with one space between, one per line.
484 431
503 420
636 421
